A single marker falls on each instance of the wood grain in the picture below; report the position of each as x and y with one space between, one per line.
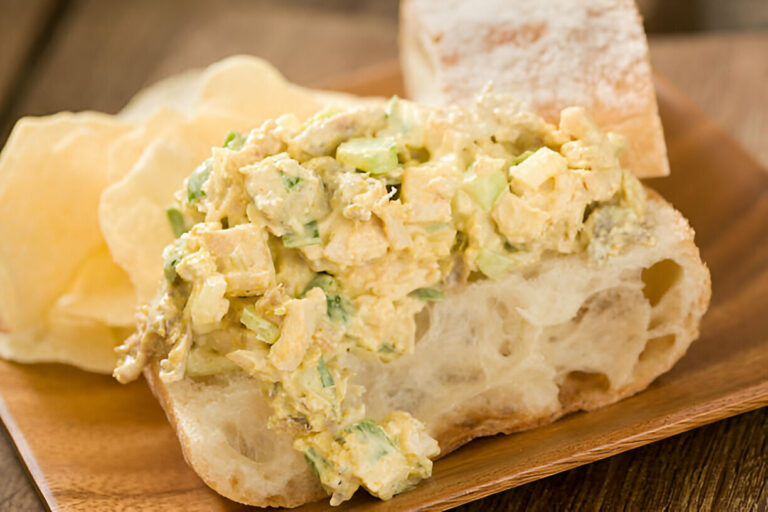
717 467
16 489
103 52
726 75
95 445
23 24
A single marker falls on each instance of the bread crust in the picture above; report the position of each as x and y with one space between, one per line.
593 54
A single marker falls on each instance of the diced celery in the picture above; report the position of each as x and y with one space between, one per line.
339 307
202 362
494 264
316 462
379 442
373 155
321 280
290 182
405 123
310 236
176 220
169 271
392 106
265 330
521 157
326 379
234 141
486 190
431 294
197 179
173 256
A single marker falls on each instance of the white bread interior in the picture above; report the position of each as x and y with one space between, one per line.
550 54
492 357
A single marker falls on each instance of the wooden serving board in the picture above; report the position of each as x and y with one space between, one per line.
92 444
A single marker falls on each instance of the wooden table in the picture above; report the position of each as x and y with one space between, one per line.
89 54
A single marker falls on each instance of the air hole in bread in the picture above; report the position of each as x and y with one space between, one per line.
655 348
460 375
405 398
579 316
583 386
505 347
659 278
501 308
423 320
257 448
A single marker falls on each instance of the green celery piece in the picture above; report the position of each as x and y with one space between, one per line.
201 362
311 236
265 330
431 294
373 155
321 280
339 308
386 348
176 220
234 141
290 182
494 264
485 191
169 271
394 103
371 432
197 179
325 375
169 265
521 157
315 461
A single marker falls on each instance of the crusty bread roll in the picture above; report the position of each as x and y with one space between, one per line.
549 53
492 357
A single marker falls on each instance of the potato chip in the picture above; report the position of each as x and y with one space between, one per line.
87 344
132 211
52 172
100 290
178 92
252 90
126 150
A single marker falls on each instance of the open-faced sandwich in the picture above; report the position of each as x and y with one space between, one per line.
333 292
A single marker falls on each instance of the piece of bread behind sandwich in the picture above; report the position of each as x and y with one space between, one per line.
550 54
494 357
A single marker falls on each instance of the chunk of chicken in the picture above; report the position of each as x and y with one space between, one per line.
301 316
243 257
427 191
355 243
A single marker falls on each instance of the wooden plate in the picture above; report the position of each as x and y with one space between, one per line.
91 444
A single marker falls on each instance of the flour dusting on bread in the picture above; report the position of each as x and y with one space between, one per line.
550 54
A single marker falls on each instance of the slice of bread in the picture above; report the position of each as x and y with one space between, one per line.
492 357
550 54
